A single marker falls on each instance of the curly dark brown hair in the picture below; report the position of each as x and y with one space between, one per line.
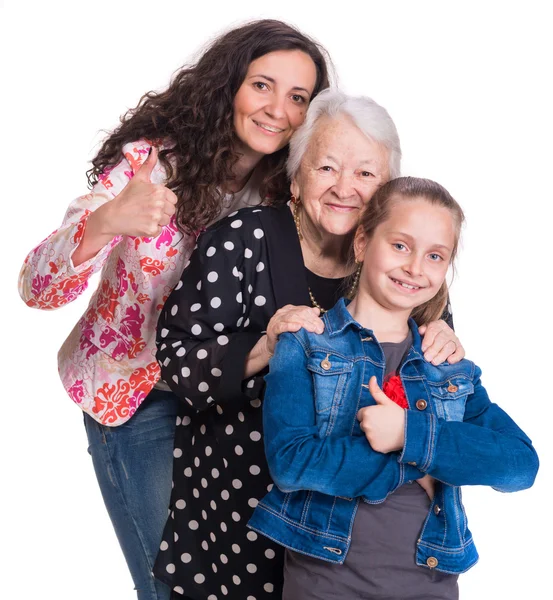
193 117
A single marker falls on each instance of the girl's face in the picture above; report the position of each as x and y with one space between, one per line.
272 101
406 260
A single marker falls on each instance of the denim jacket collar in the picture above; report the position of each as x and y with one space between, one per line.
339 318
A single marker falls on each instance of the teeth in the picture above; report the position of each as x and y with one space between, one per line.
269 128
406 285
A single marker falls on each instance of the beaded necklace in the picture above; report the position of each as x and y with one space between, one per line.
314 303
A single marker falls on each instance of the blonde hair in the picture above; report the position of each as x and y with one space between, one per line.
405 189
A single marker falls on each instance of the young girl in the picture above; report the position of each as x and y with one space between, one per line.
214 141
346 437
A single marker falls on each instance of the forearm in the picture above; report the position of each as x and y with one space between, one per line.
345 466
461 453
48 278
95 237
257 359
52 275
203 372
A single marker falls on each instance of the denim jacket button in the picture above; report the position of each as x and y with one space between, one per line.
452 388
432 562
437 510
367 339
421 404
413 464
325 364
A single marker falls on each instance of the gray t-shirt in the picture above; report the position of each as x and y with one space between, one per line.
380 564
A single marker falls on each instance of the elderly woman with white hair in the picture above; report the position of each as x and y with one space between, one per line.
255 274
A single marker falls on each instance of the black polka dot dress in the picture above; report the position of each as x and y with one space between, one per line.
244 268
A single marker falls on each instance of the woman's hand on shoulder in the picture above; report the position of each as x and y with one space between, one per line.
142 208
288 318
439 343
292 318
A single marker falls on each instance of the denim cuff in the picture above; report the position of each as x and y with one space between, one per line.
408 473
420 439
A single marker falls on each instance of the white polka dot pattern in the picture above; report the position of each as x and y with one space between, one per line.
210 320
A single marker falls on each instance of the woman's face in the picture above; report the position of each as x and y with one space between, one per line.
272 101
340 171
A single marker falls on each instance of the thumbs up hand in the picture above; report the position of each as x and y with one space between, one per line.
143 207
382 424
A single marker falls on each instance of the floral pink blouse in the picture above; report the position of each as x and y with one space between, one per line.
107 364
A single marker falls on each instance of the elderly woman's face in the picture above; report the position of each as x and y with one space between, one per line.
340 171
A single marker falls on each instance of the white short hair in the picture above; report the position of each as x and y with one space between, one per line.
371 118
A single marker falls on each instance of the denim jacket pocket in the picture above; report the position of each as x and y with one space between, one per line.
330 374
450 397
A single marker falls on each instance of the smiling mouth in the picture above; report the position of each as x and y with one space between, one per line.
268 128
407 286
342 207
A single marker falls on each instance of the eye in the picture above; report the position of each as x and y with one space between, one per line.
367 174
326 169
435 257
298 99
260 85
399 246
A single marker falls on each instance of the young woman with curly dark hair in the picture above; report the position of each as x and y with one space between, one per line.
215 141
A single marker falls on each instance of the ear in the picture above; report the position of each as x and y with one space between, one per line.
360 244
295 188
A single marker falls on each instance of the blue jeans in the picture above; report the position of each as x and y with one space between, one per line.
133 464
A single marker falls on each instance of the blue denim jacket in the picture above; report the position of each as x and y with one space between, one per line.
323 465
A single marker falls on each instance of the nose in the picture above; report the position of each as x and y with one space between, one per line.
275 106
343 188
413 265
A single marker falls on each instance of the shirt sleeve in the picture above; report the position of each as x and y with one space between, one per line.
215 315
447 315
301 460
48 278
486 448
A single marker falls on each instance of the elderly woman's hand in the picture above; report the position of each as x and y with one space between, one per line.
440 343
292 318
287 318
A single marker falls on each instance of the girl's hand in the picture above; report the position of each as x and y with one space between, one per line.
383 424
428 484
287 318
142 208
292 318
440 343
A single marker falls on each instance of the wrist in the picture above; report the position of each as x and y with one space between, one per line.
100 221
268 352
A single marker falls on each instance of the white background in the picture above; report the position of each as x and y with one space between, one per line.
469 87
